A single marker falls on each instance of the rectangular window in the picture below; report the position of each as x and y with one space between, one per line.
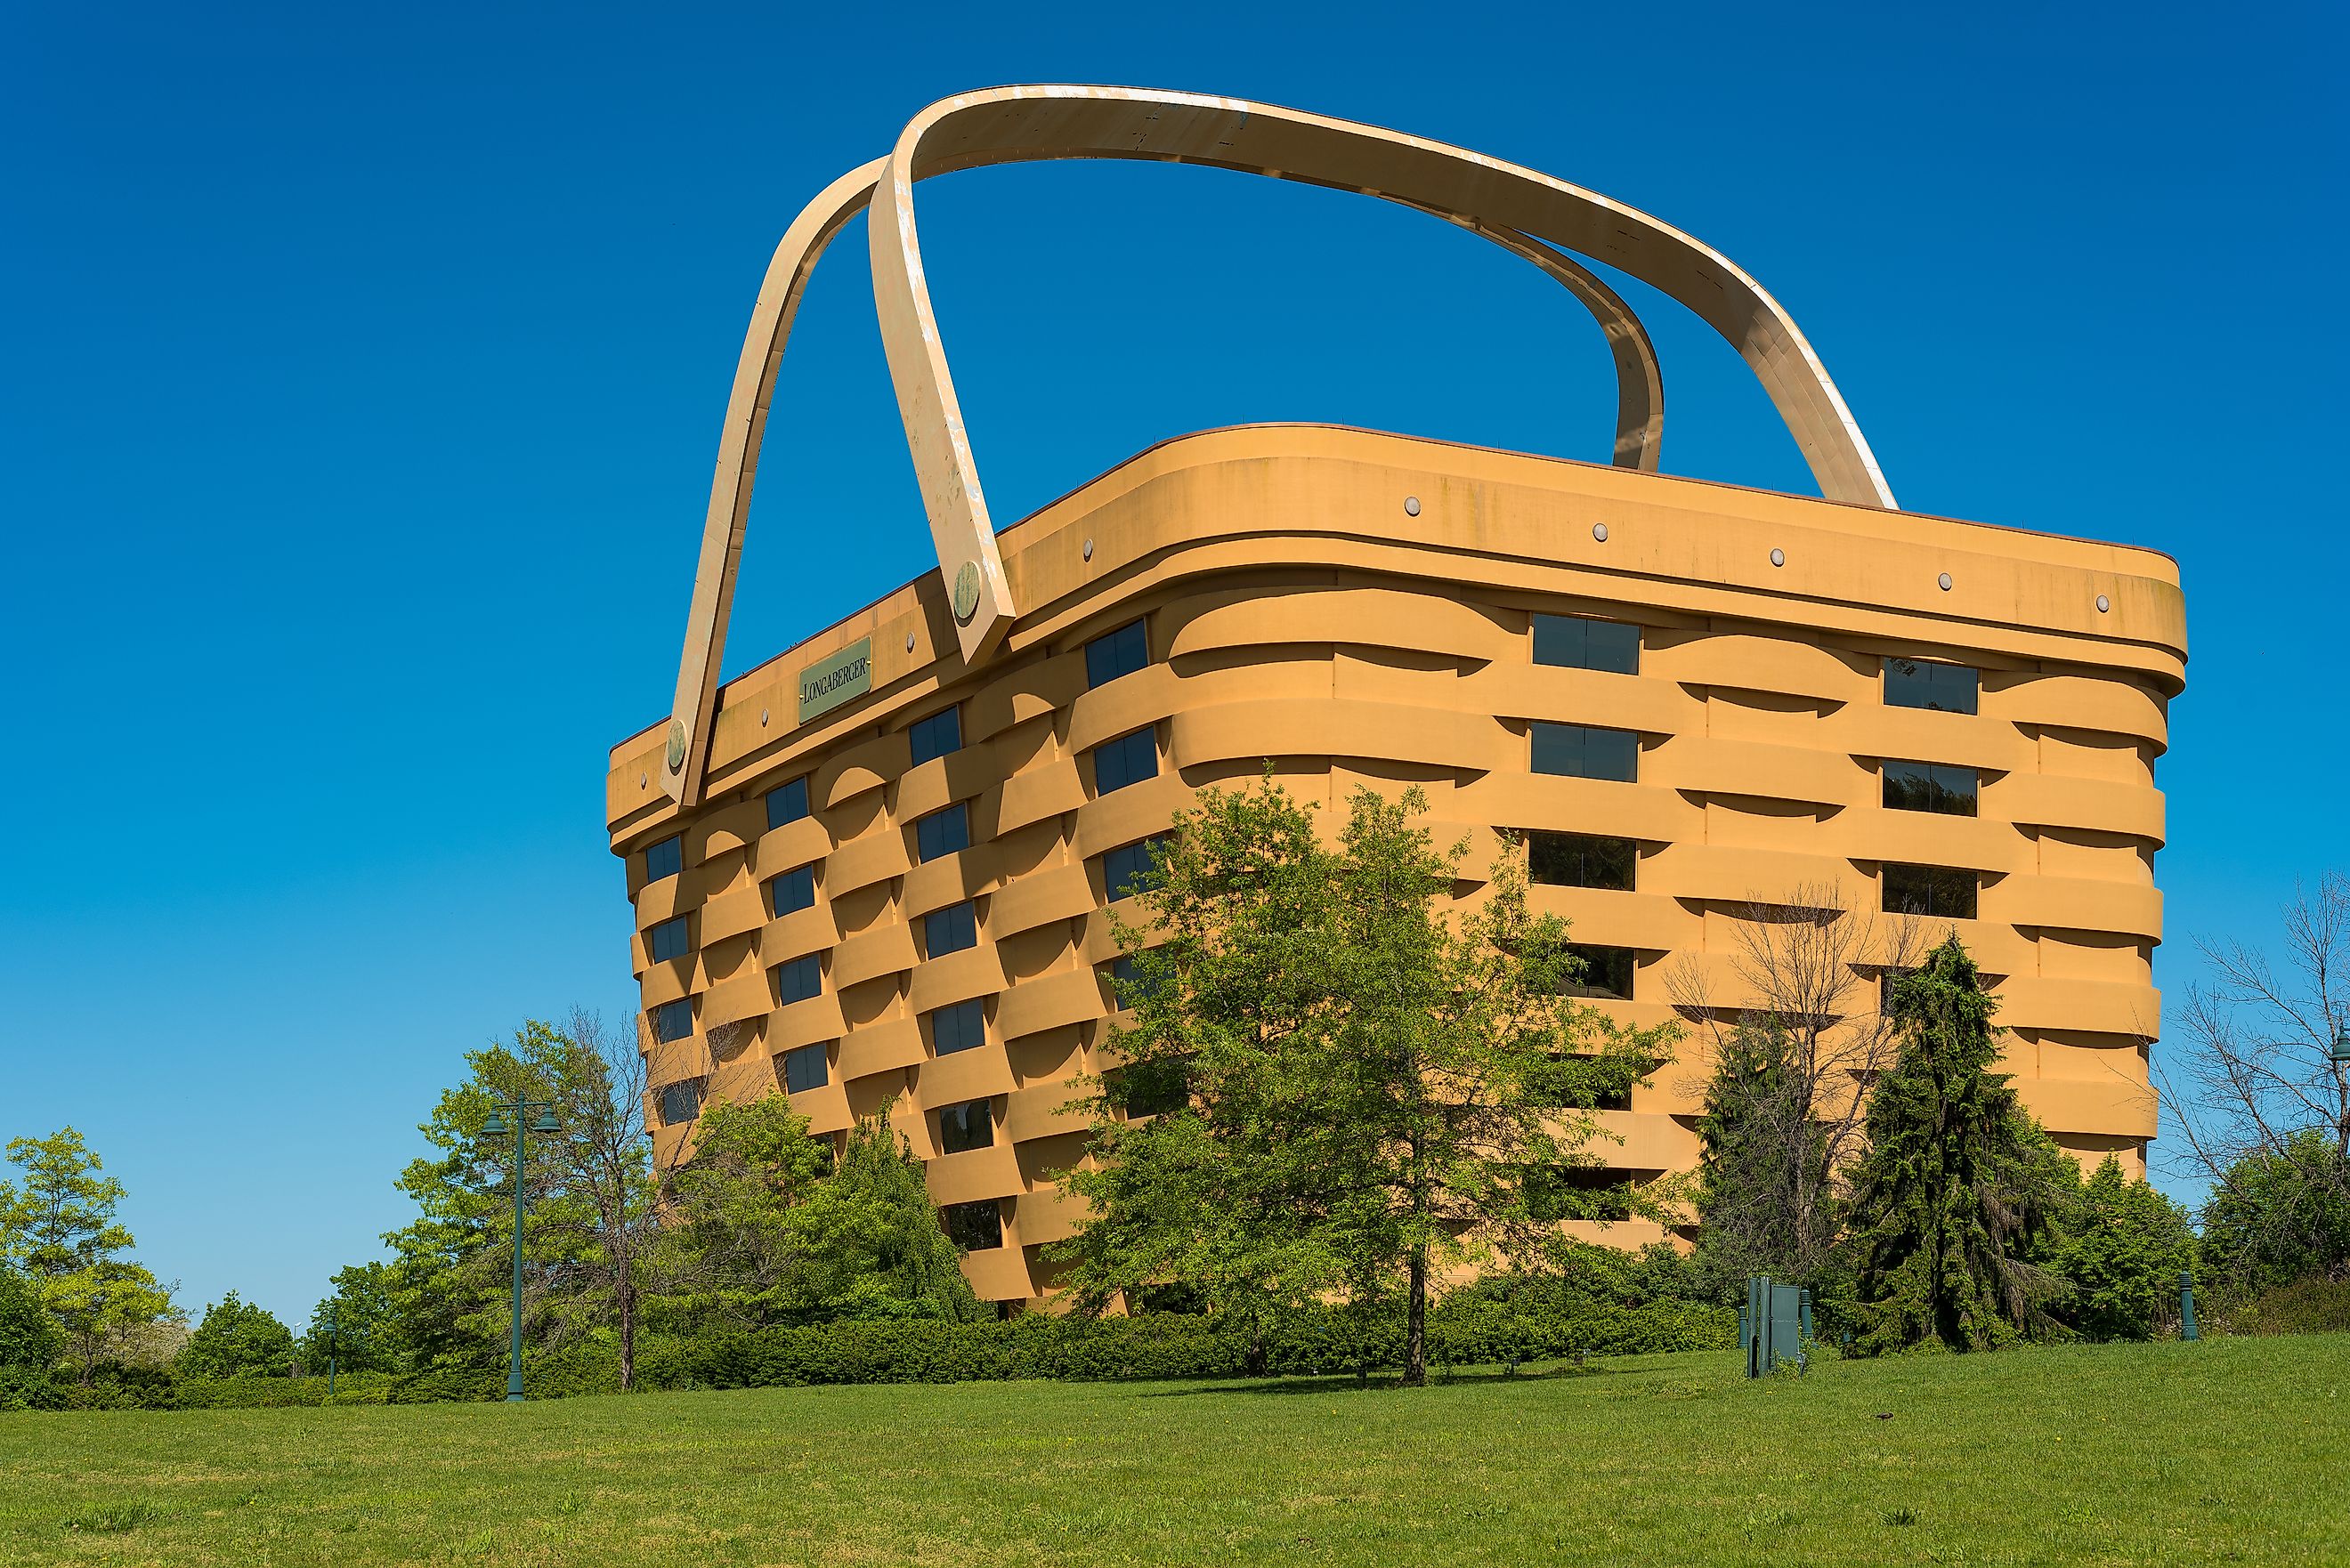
681 1102
667 941
1125 871
1128 760
793 891
787 803
1578 642
943 832
1117 653
975 1227
1580 860
971 1125
807 1067
1578 1192
1930 786
1580 752
799 980
962 1027
1937 890
1945 688
1606 971
673 1020
666 858
950 931
1127 983
937 735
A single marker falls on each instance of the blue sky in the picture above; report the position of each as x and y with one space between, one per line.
360 371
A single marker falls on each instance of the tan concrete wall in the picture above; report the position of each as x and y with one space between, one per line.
1297 612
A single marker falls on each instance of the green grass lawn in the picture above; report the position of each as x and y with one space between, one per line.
2232 1450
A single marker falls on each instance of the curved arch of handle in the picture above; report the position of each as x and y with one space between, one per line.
1639 426
1023 124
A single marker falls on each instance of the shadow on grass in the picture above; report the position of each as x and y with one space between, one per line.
1460 1377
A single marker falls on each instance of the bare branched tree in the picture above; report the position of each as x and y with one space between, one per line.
602 1161
1806 972
2261 1101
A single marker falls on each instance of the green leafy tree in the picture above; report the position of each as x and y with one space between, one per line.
770 1229
1763 1200
1956 1191
29 1341
359 1324
1336 1082
2123 1247
237 1339
592 1216
2280 1214
58 1224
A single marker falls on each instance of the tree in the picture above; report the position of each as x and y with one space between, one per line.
358 1324
590 1199
1336 1082
2279 1216
237 1339
770 1229
1796 1042
29 1341
2262 1107
60 1227
2123 1247
1957 1187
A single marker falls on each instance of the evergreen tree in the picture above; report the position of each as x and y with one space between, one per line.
1955 1190
237 1339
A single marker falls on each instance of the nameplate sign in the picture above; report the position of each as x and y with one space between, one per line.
828 682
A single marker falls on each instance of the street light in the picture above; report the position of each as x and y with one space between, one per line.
521 1122
2339 1052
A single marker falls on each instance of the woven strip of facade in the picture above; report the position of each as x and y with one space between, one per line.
1686 698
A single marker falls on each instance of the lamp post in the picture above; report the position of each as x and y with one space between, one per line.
330 1353
516 1112
2339 1052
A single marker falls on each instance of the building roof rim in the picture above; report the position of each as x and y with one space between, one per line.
1164 441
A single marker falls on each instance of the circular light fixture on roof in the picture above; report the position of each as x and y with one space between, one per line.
1411 505
1089 549
1599 531
2104 604
1778 557
1945 580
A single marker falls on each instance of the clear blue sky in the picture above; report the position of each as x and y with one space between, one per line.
360 371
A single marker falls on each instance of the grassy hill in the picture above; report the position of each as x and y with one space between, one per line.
2232 1450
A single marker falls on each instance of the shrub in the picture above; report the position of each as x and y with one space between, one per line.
2305 1306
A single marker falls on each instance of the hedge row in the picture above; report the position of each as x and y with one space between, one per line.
1157 1346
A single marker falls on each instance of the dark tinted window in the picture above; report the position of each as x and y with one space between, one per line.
788 803
808 1067
1913 683
1930 786
962 1027
1128 760
943 832
937 735
1578 751
950 931
1937 890
1125 870
1580 860
1606 971
971 1125
799 980
673 1020
681 1102
1555 1193
1117 653
1583 644
666 858
975 1227
794 889
667 941
1126 981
